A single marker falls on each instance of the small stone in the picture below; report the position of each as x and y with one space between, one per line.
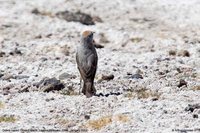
137 76
165 111
172 52
107 77
49 35
43 59
7 77
21 77
2 54
192 107
106 95
49 99
182 83
184 53
38 37
195 116
35 11
83 18
15 52
50 84
154 99
161 73
98 46
87 117
1 75
67 76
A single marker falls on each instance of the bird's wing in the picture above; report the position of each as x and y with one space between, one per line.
88 70
92 65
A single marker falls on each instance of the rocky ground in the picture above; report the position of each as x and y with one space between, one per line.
148 77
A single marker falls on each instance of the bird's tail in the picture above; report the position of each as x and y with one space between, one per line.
88 89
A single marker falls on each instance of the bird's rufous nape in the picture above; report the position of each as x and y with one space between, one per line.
87 33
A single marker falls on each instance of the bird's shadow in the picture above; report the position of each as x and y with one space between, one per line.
108 94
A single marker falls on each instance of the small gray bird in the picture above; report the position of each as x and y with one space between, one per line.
87 59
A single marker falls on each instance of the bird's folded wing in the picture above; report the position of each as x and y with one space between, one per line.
88 70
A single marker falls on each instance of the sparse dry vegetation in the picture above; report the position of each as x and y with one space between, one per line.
142 94
1 105
63 122
104 121
7 119
196 88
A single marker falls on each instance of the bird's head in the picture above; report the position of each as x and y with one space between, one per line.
87 37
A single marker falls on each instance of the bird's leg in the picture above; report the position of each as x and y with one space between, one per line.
80 85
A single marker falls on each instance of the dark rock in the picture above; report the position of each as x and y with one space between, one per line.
15 52
182 83
35 11
6 25
184 53
87 117
129 74
137 76
106 95
57 58
98 95
49 35
21 77
50 84
7 77
1 75
115 93
179 70
43 59
154 99
195 116
191 108
107 77
172 52
66 76
141 20
76 17
2 54
161 73
98 46
25 89
38 37
51 111
49 99
6 90
165 111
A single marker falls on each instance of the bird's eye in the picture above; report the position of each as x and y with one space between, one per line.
90 36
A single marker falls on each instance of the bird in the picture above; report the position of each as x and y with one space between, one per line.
87 61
